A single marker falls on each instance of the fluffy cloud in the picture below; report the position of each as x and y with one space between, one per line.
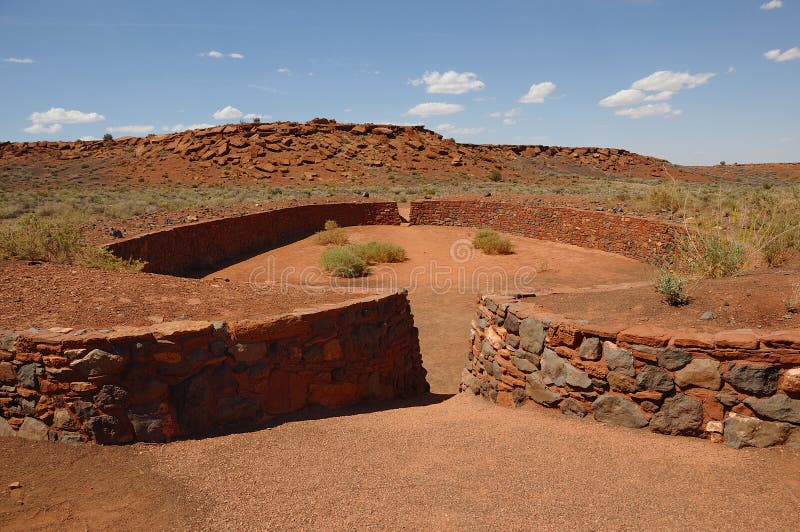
666 80
252 116
39 129
454 130
772 4
538 92
227 113
284 70
23 60
451 82
88 138
623 97
132 130
182 127
236 55
507 116
779 57
509 121
213 53
644 111
659 96
435 108
59 115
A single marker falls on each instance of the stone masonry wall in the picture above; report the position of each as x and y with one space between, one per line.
738 386
638 238
215 243
185 379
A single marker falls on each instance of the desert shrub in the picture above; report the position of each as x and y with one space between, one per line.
666 196
332 235
672 287
776 251
495 176
31 238
379 252
102 258
342 261
712 255
491 242
108 136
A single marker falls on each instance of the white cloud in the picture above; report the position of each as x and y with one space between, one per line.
451 82
731 70
236 55
39 128
644 111
779 57
213 53
538 92
454 130
87 138
284 70
666 80
659 96
623 97
509 121
227 113
252 116
59 115
133 130
182 127
435 108
511 113
23 60
772 4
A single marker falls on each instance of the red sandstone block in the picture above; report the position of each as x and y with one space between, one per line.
23 356
693 339
648 395
54 361
604 332
738 339
645 335
179 329
248 331
712 409
790 338
335 394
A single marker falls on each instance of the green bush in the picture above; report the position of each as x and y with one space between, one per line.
31 238
342 261
672 287
495 176
102 258
719 257
380 252
332 235
491 242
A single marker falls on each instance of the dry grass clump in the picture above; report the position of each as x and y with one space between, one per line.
32 238
672 287
491 242
342 261
332 235
354 260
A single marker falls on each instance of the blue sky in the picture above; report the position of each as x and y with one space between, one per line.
702 81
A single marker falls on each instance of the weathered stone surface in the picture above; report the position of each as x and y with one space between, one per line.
673 359
678 415
644 335
790 383
108 430
572 407
523 364
531 335
62 420
148 428
7 373
512 323
552 368
5 428
738 339
779 407
111 397
620 382
536 390
590 349
755 380
248 352
98 362
33 429
654 378
576 378
701 372
745 431
70 438
616 410
618 359
26 375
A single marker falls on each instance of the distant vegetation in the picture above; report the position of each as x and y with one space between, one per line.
353 260
672 287
332 235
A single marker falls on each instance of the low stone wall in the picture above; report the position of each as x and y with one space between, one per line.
184 379
201 246
638 238
737 386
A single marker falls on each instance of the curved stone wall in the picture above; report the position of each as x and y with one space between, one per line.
184 379
738 386
186 249
638 238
